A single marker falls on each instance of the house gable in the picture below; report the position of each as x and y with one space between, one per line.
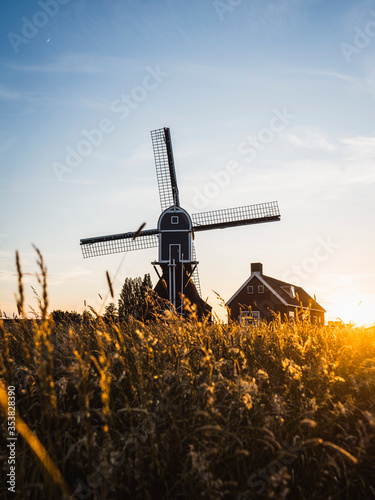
247 283
262 299
277 296
301 296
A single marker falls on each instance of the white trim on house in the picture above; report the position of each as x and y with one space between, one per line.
256 274
241 288
272 290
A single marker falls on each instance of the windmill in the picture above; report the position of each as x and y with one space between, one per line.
175 232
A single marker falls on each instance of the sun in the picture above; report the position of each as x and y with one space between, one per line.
354 309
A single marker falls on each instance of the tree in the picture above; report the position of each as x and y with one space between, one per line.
133 297
146 287
87 317
146 294
59 316
111 313
129 298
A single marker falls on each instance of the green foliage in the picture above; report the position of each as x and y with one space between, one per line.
133 297
87 316
59 316
111 313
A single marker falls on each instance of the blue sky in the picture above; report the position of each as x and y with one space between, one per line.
220 75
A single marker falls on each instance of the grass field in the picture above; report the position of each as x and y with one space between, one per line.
185 410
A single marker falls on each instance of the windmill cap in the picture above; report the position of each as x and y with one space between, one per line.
257 267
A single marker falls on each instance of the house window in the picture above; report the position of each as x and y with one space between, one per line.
244 317
255 317
250 289
249 317
260 289
290 291
174 219
291 315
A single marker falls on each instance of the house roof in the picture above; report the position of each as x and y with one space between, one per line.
279 289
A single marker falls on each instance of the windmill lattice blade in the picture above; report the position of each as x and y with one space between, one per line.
195 275
240 216
105 245
165 169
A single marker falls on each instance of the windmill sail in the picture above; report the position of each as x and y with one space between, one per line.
240 216
165 169
125 242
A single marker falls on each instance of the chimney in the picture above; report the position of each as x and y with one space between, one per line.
256 267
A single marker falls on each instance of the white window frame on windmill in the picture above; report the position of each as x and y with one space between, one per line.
180 256
172 275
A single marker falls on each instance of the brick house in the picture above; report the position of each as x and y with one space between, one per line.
261 296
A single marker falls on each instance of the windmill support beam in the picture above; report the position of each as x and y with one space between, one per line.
195 263
156 269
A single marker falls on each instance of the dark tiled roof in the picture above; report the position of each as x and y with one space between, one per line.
303 296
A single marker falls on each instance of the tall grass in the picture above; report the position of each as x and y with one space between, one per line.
176 410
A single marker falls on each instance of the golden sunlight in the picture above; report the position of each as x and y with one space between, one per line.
354 309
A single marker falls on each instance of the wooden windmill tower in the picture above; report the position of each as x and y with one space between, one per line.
174 232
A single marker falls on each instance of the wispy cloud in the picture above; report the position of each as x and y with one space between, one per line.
75 63
6 254
37 98
67 64
10 95
72 274
311 139
360 147
7 94
363 84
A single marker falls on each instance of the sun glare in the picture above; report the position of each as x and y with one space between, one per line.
354 309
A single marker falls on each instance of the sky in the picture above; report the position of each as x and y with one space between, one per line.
266 100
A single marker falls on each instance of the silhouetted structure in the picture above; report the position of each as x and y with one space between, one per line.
173 235
260 297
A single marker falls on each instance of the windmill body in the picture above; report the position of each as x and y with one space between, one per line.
174 233
175 229
175 260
